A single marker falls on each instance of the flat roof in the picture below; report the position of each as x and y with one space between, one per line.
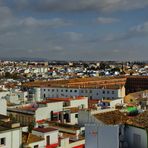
20 110
28 138
44 130
112 117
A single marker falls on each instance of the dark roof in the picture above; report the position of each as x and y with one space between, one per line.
28 138
112 117
4 128
3 117
139 121
44 130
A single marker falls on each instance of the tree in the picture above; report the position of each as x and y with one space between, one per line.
31 126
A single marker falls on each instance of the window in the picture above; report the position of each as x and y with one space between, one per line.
3 141
61 90
52 90
44 95
75 90
36 146
48 89
90 91
107 92
76 115
70 90
57 90
137 140
103 92
44 89
66 90
113 92
82 91
48 140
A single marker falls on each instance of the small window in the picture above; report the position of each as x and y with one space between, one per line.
44 89
57 90
44 95
48 140
48 89
3 141
107 92
103 92
113 92
61 90
52 90
75 90
70 90
82 91
66 90
76 115
90 91
85 91
36 146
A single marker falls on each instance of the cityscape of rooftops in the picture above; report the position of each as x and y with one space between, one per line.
73 74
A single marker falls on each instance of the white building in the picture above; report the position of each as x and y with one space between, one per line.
91 93
32 141
3 107
102 129
26 114
10 135
16 96
50 136
101 136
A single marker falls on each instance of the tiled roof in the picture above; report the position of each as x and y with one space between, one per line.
30 138
140 121
44 130
96 82
112 117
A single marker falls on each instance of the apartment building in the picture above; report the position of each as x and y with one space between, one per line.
52 109
92 93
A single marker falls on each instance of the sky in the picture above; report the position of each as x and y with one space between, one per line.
74 29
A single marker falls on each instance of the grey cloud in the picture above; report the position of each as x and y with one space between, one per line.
5 13
106 20
33 22
134 32
143 28
79 5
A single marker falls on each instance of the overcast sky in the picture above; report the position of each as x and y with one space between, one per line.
74 29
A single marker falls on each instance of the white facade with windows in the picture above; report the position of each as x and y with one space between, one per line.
91 93
11 138
44 112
